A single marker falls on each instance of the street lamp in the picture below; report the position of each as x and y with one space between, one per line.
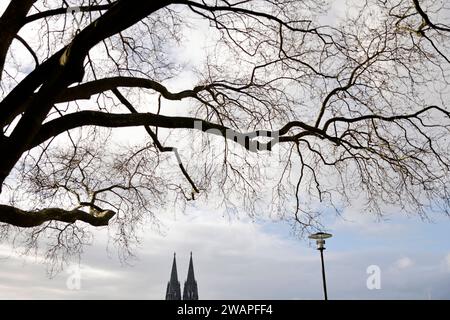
320 241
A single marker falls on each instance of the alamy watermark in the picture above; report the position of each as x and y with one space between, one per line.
373 282
74 11
247 140
73 281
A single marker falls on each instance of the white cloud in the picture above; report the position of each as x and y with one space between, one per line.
447 262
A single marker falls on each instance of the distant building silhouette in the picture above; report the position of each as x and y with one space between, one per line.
173 291
190 291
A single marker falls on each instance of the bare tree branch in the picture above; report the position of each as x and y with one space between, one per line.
29 219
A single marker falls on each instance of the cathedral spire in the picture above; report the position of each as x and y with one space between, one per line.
173 291
190 276
174 273
190 291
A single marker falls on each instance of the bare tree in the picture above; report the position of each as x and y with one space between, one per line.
290 104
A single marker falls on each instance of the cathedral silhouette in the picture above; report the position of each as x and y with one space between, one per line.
190 291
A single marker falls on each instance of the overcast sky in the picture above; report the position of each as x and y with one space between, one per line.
240 259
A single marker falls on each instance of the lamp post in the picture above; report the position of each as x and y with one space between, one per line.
320 241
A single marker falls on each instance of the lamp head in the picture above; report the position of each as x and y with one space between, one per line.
320 239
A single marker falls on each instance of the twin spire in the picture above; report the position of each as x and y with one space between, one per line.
190 291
